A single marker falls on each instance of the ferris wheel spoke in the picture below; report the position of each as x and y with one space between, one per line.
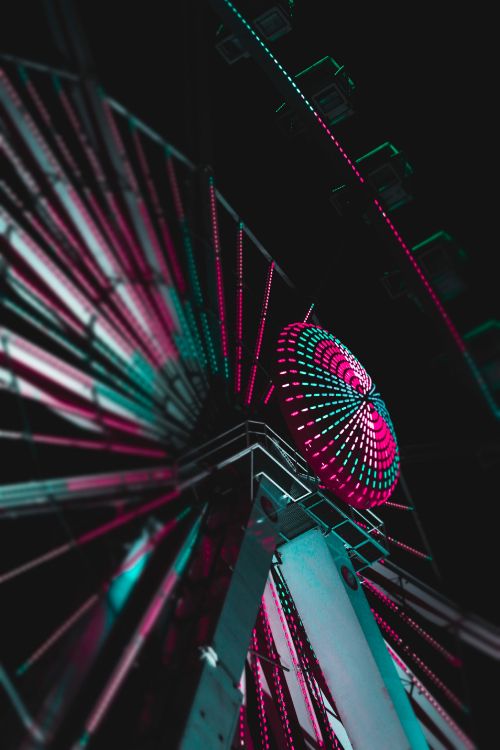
435 707
113 589
314 680
296 683
207 351
54 291
53 639
90 536
147 623
376 591
103 264
57 494
109 444
221 303
238 351
272 386
155 293
86 631
43 325
408 652
71 394
260 335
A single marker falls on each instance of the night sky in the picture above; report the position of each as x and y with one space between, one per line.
424 82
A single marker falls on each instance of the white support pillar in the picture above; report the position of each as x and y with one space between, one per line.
368 693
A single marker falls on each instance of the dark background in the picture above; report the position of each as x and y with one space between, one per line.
428 84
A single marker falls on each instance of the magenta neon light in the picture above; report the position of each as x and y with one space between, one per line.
174 186
239 311
299 638
260 693
271 650
434 703
241 725
296 665
97 445
165 232
272 387
337 418
118 480
148 227
451 658
395 542
219 277
269 393
84 142
308 313
58 633
258 345
407 548
302 644
386 628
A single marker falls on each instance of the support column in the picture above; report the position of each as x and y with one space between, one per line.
214 710
368 694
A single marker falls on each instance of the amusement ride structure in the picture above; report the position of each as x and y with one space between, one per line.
200 485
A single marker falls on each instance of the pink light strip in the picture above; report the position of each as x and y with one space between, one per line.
260 693
437 706
396 542
308 313
241 726
239 310
119 479
58 633
272 386
300 639
143 215
269 393
297 667
398 506
219 277
451 658
62 406
86 444
386 628
271 650
174 186
406 547
260 334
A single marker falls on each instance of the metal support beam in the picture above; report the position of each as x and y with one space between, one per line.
214 710
368 693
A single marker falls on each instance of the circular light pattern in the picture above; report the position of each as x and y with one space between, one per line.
338 420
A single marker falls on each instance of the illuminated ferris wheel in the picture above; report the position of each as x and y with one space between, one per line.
196 469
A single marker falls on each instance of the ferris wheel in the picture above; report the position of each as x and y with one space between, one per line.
196 471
